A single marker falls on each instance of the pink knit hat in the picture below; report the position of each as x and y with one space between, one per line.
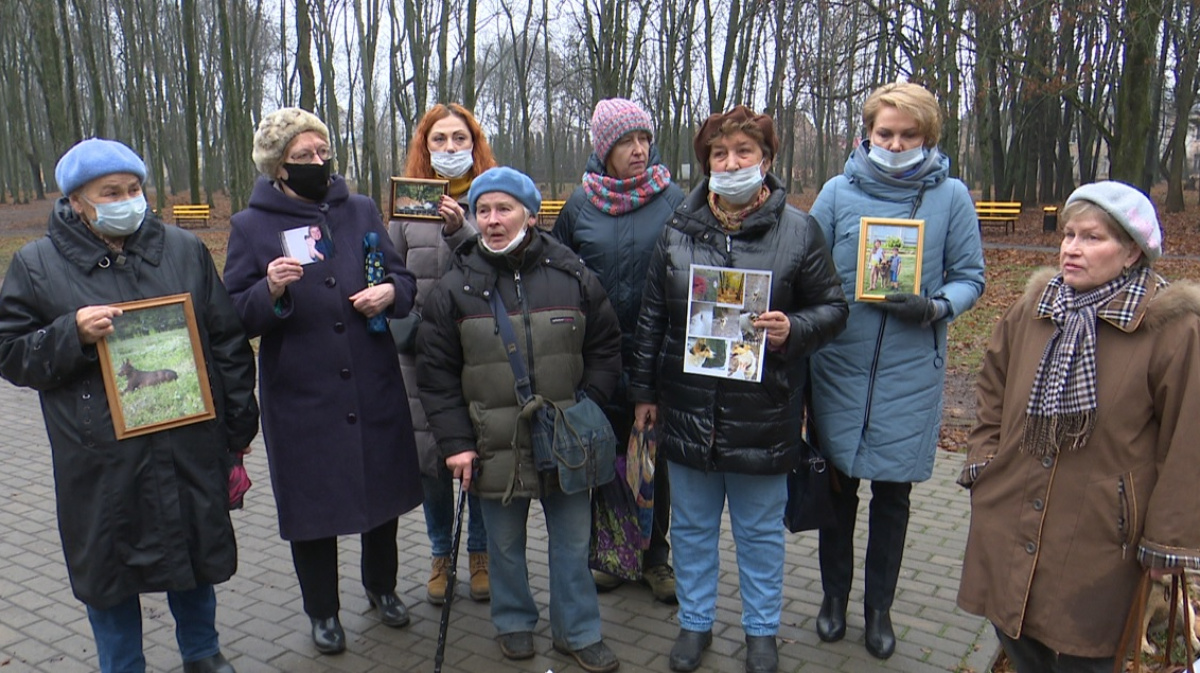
613 118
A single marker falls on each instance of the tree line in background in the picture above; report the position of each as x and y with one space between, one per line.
1038 95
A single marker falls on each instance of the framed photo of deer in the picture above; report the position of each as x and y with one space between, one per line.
153 367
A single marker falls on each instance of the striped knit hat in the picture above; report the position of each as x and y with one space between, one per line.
613 118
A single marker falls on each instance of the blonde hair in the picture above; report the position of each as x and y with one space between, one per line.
911 99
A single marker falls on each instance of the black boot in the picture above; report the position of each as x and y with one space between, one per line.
214 664
762 655
881 641
391 609
689 646
328 636
831 620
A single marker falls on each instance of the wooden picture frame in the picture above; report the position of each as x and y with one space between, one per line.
414 198
889 257
153 367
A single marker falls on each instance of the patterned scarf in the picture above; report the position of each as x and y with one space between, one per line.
731 220
1062 405
617 197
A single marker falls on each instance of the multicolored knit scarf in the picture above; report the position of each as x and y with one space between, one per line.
731 220
1062 404
617 197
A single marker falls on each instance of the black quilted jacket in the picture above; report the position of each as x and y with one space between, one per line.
709 423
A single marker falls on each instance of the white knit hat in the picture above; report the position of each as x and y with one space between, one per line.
1130 208
276 131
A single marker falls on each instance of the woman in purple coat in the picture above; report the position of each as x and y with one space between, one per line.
334 413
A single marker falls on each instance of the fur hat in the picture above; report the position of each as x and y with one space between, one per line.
613 118
1130 208
711 128
510 181
275 133
94 158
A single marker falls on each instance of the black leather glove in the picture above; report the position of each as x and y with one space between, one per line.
915 308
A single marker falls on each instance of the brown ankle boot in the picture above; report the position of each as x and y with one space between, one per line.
436 588
481 588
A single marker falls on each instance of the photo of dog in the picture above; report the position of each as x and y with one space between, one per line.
698 354
701 322
743 361
1158 611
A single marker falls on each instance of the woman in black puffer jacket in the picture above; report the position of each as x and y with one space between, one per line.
729 439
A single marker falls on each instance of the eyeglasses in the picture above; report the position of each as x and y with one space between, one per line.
306 156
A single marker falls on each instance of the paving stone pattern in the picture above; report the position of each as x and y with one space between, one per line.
263 629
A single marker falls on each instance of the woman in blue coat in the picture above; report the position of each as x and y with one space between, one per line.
876 403
335 418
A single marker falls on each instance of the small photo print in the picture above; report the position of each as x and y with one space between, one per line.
704 356
889 257
414 198
722 340
308 244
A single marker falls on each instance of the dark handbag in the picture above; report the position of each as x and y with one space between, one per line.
1135 625
404 332
576 442
810 492
616 546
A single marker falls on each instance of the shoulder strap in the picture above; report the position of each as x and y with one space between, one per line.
500 312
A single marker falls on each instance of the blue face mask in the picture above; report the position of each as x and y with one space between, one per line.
737 186
121 218
895 162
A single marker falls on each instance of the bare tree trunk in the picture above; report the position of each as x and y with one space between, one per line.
469 56
1187 81
1132 123
308 81
191 60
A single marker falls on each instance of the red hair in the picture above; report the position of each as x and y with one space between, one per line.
417 165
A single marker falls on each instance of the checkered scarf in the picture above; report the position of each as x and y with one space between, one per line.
1062 405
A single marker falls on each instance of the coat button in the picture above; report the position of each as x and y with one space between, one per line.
351 418
1030 547
330 281
345 373
1048 462
1038 505
339 327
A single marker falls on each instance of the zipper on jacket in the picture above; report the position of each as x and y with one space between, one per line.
528 329
1122 516
874 370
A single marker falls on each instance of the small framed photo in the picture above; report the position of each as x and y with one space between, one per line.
153 367
417 198
889 257
309 244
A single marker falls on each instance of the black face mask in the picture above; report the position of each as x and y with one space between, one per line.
309 180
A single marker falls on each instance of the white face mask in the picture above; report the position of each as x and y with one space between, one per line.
738 186
512 245
121 218
452 164
894 162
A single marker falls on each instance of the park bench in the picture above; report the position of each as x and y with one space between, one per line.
191 215
1002 214
549 213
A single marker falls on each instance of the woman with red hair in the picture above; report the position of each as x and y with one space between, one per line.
448 144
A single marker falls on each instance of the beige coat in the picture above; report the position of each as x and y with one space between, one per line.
1054 543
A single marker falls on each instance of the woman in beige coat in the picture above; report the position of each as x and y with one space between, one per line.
1083 464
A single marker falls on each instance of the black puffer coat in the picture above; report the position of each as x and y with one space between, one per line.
708 423
146 513
565 329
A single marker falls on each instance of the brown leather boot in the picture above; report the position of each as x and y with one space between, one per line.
481 587
436 588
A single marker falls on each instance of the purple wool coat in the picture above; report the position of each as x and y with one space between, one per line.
334 411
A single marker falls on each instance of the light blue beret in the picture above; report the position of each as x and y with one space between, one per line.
510 181
94 158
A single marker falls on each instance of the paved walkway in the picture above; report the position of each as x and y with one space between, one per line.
263 630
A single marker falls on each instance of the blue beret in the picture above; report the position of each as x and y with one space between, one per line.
94 158
510 181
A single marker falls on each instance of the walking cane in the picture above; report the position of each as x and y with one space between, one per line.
451 577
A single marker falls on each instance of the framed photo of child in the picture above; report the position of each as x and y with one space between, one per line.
153 367
889 257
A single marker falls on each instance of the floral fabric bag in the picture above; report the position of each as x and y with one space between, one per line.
616 546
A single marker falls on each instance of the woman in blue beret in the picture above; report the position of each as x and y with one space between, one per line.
335 418
146 513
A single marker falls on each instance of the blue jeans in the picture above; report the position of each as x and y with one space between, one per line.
439 515
756 513
574 608
118 630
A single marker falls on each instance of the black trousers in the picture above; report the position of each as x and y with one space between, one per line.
316 568
1031 656
888 521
